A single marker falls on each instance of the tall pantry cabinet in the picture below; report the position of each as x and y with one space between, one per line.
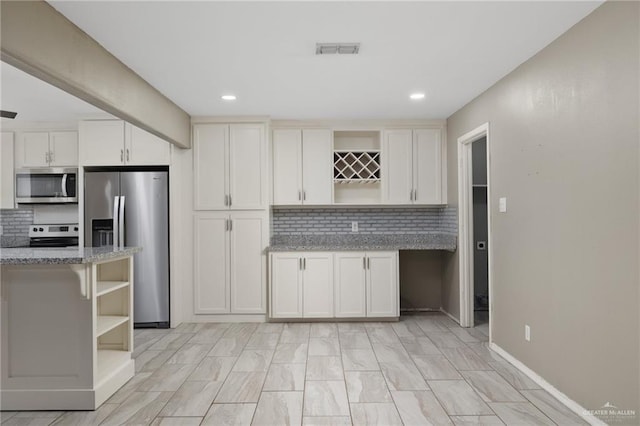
230 218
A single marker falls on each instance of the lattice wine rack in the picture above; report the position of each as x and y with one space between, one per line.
356 166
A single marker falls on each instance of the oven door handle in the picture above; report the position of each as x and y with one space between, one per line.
64 185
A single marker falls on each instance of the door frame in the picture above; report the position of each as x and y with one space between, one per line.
465 216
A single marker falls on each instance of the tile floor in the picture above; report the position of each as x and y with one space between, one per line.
422 370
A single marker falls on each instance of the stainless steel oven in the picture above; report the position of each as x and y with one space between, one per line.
52 185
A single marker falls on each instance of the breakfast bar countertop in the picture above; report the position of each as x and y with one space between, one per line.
61 256
364 242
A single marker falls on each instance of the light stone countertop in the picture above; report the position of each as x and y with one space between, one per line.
364 242
62 256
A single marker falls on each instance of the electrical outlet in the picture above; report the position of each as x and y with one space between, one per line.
527 333
354 226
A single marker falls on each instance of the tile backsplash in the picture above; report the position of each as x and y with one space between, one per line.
337 221
15 225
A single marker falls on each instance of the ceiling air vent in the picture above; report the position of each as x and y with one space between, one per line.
337 48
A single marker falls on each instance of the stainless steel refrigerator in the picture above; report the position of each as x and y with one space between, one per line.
140 218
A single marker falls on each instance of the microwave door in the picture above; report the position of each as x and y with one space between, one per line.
100 190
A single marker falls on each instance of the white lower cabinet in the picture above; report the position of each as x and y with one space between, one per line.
350 279
302 285
229 262
328 285
382 284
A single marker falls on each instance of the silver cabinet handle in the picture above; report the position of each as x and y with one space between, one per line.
230 200
299 195
364 263
411 195
368 263
226 200
415 195
304 263
46 157
51 157
127 155
300 263
226 225
304 195
122 155
230 225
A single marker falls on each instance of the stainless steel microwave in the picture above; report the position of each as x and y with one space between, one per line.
43 186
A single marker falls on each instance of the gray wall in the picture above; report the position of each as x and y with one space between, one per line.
564 150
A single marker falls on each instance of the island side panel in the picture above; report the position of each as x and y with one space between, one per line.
46 336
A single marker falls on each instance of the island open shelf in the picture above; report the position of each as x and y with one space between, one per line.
67 328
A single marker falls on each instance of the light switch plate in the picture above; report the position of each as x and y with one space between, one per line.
502 205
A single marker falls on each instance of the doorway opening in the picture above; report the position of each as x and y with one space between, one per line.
475 229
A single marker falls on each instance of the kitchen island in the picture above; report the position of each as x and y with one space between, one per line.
67 326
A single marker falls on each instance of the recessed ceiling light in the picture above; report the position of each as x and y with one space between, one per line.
228 97
417 96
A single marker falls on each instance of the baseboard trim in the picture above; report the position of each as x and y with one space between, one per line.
200 318
450 316
564 399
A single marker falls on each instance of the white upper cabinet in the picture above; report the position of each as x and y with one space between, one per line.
116 143
247 168
302 167
397 177
413 171
317 166
229 166
427 167
7 193
287 166
46 149
144 148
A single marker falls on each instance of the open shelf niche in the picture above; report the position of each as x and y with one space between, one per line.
113 327
356 167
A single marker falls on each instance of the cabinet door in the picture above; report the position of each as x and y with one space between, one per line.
286 285
382 284
317 166
7 200
64 148
397 179
210 153
101 142
287 167
427 166
247 166
32 149
143 148
317 285
211 263
249 234
349 279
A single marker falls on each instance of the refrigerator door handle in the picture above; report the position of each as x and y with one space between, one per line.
116 208
121 224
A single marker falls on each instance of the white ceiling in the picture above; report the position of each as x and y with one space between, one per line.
264 52
34 100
